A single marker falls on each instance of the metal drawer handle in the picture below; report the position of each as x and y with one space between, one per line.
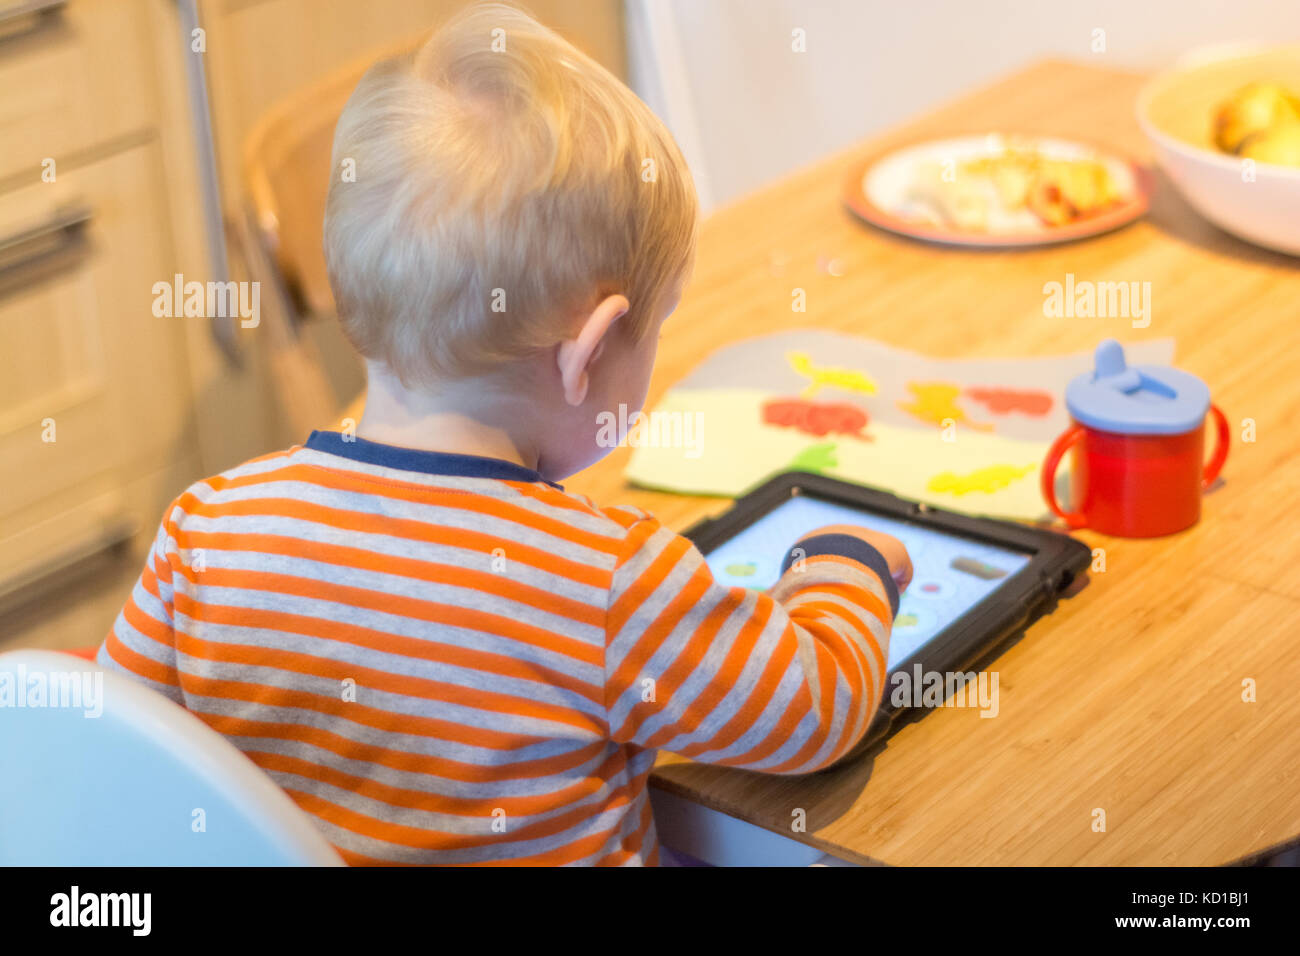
28 584
27 247
36 9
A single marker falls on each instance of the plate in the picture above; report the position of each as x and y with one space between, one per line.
882 190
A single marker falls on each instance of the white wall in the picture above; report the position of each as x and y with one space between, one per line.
747 109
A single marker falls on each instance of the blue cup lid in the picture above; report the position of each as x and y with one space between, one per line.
1136 400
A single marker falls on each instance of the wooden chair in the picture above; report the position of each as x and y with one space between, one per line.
286 173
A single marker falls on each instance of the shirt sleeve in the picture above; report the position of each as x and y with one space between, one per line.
142 642
783 681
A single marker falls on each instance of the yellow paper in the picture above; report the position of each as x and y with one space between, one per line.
737 450
964 434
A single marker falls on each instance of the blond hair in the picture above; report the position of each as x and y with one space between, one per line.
503 180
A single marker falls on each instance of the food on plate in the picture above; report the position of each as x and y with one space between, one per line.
974 194
1259 117
962 203
1069 190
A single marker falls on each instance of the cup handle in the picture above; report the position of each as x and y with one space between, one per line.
1221 443
1064 443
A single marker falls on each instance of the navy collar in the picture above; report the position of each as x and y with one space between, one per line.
426 462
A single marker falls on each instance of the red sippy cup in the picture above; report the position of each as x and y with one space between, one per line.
1138 436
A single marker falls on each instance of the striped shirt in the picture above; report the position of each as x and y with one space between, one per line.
446 659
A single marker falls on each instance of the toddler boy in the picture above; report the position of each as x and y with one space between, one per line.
439 653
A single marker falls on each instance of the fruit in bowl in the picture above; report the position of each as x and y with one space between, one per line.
1256 109
1278 144
1225 134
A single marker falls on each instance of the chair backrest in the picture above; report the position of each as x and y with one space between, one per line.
286 178
98 770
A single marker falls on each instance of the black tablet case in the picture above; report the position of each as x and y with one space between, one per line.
976 637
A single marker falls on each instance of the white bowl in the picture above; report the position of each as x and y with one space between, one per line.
1259 203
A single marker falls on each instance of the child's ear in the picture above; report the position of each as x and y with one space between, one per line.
574 356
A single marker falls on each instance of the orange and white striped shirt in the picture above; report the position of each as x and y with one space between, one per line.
447 659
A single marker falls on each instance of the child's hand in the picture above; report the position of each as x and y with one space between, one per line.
900 564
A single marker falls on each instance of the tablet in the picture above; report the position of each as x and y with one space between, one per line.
976 582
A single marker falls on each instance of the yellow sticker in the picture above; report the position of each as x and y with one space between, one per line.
820 376
988 480
936 403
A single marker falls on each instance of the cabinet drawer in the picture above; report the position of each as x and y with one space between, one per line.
75 76
81 351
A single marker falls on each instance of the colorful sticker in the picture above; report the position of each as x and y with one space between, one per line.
816 458
988 480
1002 401
936 404
820 376
817 418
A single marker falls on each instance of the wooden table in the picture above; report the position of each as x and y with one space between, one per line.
1129 698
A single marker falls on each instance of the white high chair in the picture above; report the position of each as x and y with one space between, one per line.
141 783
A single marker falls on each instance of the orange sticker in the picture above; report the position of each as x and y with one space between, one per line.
1001 401
817 418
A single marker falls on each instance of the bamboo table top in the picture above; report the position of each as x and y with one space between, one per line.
1129 697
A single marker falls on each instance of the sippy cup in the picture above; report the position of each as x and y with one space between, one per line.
1138 440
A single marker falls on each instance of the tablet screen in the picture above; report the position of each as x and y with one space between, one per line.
951 574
